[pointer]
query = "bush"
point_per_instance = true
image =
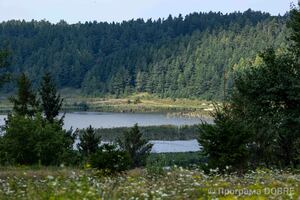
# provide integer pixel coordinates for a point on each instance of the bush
(135, 146)
(81, 106)
(89, 142)
(225, 143)
(33, 140)
(137, 100)
(110, 159)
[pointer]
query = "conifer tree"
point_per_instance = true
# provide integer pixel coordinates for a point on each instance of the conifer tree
(294, 25)
(51, 102)
(4, 55)
(137, 148)
(89, 142)
(25, 103)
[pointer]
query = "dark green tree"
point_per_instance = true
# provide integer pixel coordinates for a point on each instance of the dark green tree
(4, 63)
(225, 143)
(294, 25)
(183, 56)
(89, 142)
(51, 102)
(25, 103)
(110, 159)
(29, 138)
(34, 141)
(267, 98)
(261, 126)
(135, 146)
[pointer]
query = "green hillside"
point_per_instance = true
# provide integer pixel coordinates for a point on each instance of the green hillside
(173, 57)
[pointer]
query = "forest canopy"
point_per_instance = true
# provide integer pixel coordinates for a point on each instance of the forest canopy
(174, 57)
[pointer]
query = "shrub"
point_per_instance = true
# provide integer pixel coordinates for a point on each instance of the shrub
(88, 142)
(110, 159)
(32, 140)
(225, 143)
(135, 146)
(137, 100)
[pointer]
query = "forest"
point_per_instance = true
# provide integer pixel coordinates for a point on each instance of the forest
(193, 56)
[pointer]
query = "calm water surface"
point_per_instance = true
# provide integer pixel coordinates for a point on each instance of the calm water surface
(109, 120)
(160, 146)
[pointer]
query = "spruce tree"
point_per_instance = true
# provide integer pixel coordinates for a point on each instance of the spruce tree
(89, 142)
(135, 146)
(51, 102)
(294, 25)
(225, 143)
(25, 103)
(4, 55)
(262, 119)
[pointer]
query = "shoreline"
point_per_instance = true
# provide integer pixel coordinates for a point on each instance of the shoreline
(141, 103)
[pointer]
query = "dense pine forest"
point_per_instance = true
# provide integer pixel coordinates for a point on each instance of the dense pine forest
(174, 57)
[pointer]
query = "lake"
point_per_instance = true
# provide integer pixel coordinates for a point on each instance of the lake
(109, 120)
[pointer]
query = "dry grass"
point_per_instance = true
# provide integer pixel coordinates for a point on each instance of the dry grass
(146, 103)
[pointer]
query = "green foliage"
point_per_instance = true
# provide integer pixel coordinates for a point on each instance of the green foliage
(225, 143)
(51, 102)
(294, 24)
(267, 98)
(177, 183)
(29, 138)
(182, 159)
(137, 100)
(164, 132)
(174, 57)
(135, 146)
(82, 106)
(89, 142)
(262, 124)
(32, 140)
(25, 103)
(4, 63)
(109, 159)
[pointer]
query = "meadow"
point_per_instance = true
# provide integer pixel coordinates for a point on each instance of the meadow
(174, 183)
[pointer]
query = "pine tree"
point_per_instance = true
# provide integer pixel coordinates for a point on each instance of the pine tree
(51, 102)
(139, 82)
(25, 103)
(225, 142)
(4, 54)
(89, 142)
(294, 24)
(137, 148)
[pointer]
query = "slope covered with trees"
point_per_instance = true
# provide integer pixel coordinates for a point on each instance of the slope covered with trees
(259, 124)
(173, 57)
